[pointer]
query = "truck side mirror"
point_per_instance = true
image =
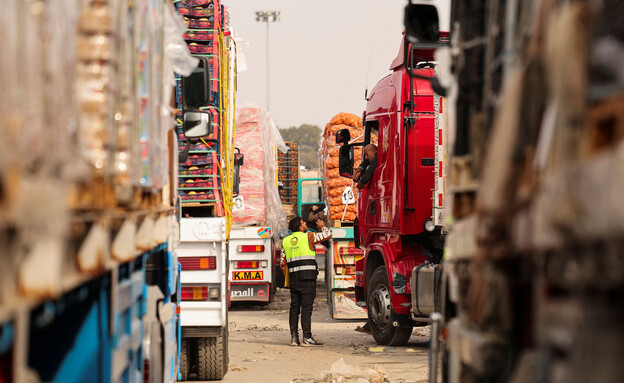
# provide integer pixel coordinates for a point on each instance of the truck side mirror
(345, 160)
(422, 25)
(238, 162)
(196, 87)
(343, 136)
(197, 124)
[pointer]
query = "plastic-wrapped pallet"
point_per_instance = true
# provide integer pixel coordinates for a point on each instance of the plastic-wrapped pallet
(258, 200)
(250, 206)
(334, 184)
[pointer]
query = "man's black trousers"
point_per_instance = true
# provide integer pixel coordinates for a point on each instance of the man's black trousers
(302, 294)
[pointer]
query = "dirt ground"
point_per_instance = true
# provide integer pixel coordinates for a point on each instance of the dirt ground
(260, 351)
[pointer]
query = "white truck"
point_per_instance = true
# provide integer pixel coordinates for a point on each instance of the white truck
(252, 264)
(203, 256)
(207, 182)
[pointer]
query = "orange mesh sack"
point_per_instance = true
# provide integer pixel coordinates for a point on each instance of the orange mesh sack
(334, 185)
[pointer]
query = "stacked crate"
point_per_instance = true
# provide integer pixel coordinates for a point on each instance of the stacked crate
(200, 177)
(288, 177)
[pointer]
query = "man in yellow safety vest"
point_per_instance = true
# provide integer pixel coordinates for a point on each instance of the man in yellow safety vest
(302, 270)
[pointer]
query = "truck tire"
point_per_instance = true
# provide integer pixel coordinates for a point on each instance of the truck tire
(279, 276)
(329, 276)
(380, 312)
(272, 291)
(212, 360)
(184, 365)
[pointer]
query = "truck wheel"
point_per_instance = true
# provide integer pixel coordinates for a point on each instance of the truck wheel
(184, 366)
(272, 291)
(380, 312)
(212, 361)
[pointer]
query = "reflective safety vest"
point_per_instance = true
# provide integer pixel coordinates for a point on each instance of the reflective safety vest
(300, 259)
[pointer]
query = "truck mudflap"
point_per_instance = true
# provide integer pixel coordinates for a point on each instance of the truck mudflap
(344, 305)
(259, 292)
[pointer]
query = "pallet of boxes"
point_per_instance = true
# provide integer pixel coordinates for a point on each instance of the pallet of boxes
(288, 178)
(334, 185)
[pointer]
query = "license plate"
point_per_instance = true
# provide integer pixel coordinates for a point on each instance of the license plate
(247, 275)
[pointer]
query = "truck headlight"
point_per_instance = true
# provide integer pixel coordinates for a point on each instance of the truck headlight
(429, 225)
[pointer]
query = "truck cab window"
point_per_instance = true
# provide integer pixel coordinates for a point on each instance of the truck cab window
(371, 134)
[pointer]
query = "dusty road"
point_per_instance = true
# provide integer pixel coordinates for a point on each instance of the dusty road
(260, 348)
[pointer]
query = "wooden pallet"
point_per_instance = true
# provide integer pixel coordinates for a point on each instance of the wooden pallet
(210, 209)
(198, 203)
(337, 223)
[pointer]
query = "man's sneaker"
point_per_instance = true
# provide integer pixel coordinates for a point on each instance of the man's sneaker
(294, 341)
(311, 342)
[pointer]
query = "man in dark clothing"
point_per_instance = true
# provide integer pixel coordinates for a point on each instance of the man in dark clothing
(300, 256)
(314, 215)
(363, 174)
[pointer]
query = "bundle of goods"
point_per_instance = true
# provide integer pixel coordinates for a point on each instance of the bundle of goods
(199, 176)
(205, 18)
(288, 175)
(335, 185)
(251, 194)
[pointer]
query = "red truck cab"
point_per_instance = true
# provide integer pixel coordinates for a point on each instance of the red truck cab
(395, 224)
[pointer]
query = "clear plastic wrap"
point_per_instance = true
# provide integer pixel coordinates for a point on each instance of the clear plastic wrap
(126, 158)
(276, 218)
(144, 74)
(257, 137)
(94, 47)
(177, 54)
(157, 148)
(37, 123)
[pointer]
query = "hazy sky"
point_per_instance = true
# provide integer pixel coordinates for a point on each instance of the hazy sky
(321, 54)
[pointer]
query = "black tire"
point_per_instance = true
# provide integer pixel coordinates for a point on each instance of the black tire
(279, 276)
(184, 365)
(329, 278)
(212, 358)
(272, 291)
(380, 314)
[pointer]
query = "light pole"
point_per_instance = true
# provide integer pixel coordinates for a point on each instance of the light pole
(267, 17)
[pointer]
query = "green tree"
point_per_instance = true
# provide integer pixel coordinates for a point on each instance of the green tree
(308, 139)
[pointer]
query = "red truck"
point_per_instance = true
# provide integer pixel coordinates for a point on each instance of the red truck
(399, 222)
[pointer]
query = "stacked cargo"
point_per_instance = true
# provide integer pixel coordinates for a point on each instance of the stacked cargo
(200, 183)
(342, 252)
(258, 214)
(335, 185)
(86, 207)
(288, 177)
(205, 104)
(250, 203)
